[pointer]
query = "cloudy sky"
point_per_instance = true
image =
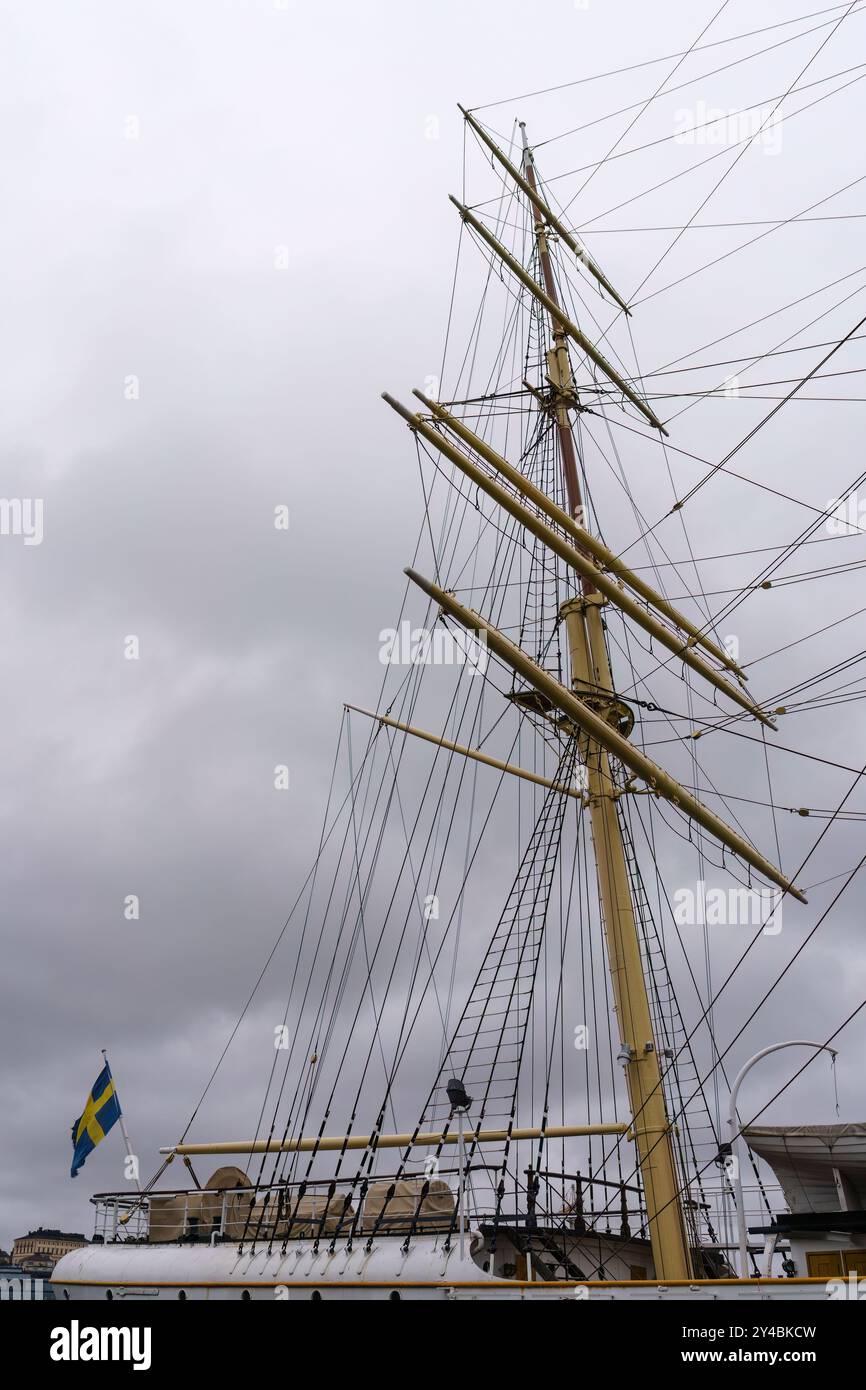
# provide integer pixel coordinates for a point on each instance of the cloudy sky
(226, 230)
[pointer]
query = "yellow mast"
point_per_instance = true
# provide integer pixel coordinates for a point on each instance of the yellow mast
(591, 677)
(650, 1122)
(599, 719)
(590, 670)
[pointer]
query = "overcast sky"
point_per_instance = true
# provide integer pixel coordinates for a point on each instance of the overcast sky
(226, 230)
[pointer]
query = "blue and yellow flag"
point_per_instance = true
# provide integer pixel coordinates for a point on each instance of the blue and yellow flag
(100, 1113)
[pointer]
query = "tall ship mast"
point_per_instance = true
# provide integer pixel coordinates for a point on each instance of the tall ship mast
(486, 1082)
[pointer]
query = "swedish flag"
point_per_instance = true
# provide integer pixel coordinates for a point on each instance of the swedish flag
(100, 1113)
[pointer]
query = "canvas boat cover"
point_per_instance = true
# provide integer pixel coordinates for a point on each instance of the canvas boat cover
(820, 1168)
(403, 1204)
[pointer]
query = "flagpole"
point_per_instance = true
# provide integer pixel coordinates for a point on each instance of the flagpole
(126, 1139)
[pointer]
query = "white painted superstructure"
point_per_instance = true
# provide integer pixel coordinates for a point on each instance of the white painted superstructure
(426, 1271)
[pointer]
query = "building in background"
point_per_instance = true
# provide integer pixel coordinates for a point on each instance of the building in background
(39, 1251)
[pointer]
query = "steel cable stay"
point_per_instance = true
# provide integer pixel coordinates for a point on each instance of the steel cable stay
(633, 67)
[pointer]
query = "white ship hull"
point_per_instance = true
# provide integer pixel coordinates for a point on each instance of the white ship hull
(426, 1271)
